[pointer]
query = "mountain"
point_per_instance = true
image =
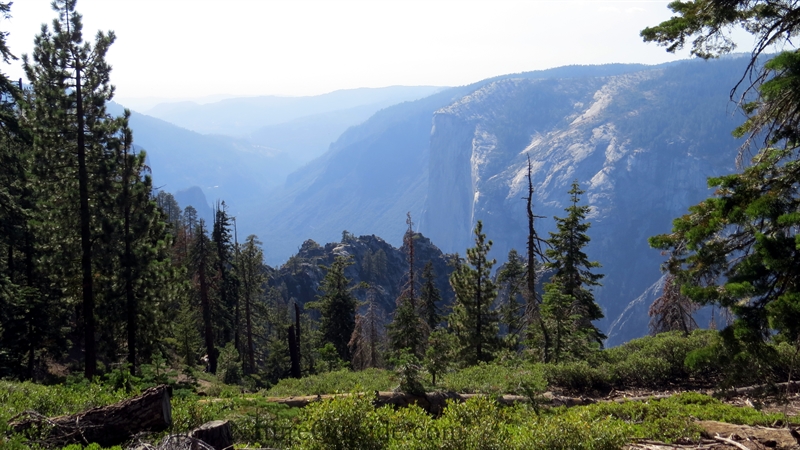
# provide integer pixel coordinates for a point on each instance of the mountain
(641, 140)
(241, 116)
(308, 137)
(195, 198)
(225, 168)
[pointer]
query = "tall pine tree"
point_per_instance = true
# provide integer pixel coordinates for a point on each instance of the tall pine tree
(72, 131)
(573, 270)
(473, 321)
(406, 330)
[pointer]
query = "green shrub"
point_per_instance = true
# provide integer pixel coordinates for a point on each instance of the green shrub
(496, 379)
(342, 423)
(655, 361)
(579, 376)
(573, 429)
(259, 423)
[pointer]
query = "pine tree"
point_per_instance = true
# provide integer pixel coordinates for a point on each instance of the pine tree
(473, 321)
(558, 310)
(228, 305)
(573, 270)
(203, 266)
(738, 249)
(337, 307)
(429, 297)
(70, 80)
(250, 272)
(405, 331)
(512, 280)
(25, 311)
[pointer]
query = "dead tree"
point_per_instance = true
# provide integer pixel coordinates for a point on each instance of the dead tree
(672, 311)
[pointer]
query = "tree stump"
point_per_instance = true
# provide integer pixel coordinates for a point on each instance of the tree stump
(106, 425)
(217, 434)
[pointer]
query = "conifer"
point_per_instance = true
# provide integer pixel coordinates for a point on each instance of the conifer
(573, 271)
(473, 321)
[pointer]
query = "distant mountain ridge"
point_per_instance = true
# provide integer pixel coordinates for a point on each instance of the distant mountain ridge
(242, 116)
(252, 142)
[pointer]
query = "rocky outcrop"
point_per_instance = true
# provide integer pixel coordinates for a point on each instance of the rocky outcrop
(380, 266)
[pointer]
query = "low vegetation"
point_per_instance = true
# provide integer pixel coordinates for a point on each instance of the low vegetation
(353, 421)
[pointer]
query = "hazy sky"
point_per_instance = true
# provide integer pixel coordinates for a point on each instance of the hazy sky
(195, 48)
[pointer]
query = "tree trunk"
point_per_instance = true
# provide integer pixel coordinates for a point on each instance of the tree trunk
(217, 434)
(86, 238)
(205, 302)
(294, 354)
(130, 300)
(251, 359)
(105, 425)
(533, 307)
(297, 332)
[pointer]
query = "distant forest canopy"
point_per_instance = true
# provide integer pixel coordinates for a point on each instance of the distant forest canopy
(100, 272)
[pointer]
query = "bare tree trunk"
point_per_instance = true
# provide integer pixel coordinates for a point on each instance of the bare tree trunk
(532, 305)
(294, 355)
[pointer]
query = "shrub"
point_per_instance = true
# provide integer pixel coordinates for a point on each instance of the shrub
(655, 361)
(341, 423)
(497, 379)
(579, 376)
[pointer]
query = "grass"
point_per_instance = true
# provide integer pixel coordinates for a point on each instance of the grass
(353, 422)
(368, 380)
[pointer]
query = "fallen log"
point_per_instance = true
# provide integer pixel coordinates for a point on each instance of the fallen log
(780, 438)
(105, 425)
(432, 402)
(759, 389)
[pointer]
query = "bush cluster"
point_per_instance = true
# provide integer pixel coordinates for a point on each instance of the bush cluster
(649, 362)
(352, 422)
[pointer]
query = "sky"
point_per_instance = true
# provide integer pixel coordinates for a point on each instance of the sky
(181, 49)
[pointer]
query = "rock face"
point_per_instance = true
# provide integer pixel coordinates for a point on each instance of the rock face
(380, 266)
(640, 140)
(640, 144)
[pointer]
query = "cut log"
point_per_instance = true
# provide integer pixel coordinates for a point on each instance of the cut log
(217, 434)
(106, 425)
